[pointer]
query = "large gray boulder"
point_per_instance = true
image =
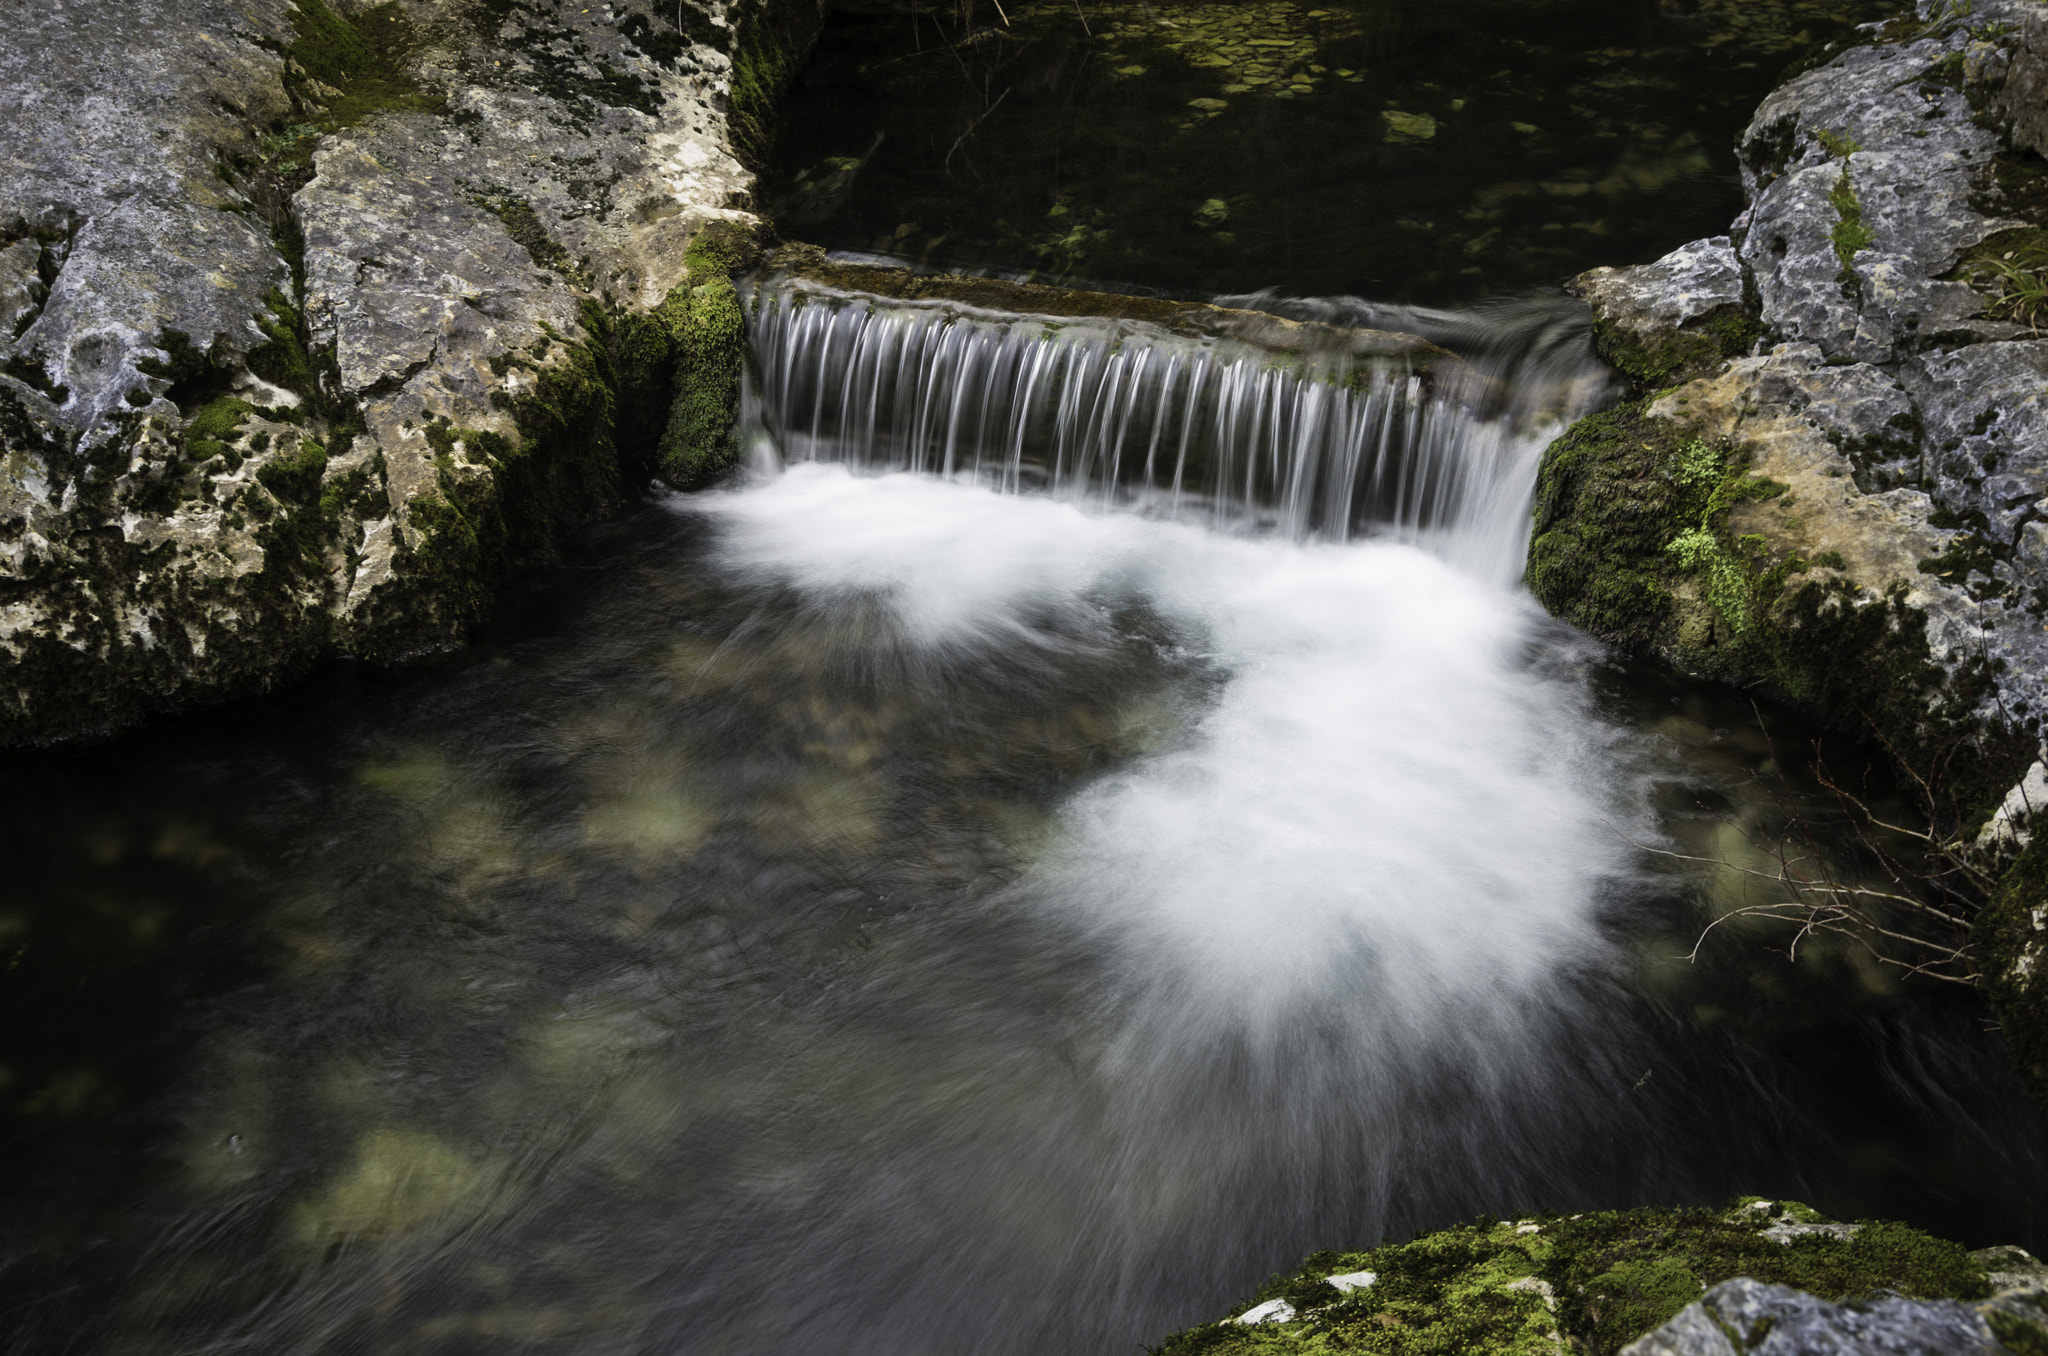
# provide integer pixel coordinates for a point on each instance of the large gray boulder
(1877, 378)
(315, 322)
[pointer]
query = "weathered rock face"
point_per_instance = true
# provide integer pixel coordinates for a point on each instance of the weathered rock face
(250, 415)
(1748, 1316)
(1902, 412)
(1853, 512)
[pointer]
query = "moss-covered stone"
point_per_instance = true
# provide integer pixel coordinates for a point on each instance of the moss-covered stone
(360, 58)
(561, 472)
(1594, 1281)
(1632, 543)
(1670, 356)
(211, 431)
(776, 36)
(710, 360)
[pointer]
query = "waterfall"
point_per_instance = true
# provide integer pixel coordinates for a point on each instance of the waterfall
(1315, 443)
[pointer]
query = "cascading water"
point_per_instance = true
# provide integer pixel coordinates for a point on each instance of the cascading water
(1312, 442)
(875, 909)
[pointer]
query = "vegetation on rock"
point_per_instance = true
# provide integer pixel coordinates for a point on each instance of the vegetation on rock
(1590, 1283)
(1632, 544)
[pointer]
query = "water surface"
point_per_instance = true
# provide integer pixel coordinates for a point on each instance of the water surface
(1409, 150)
(871, 910)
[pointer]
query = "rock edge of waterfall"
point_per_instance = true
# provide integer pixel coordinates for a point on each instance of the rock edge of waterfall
(320, 322)
(1687, 1282)
(1832, 483)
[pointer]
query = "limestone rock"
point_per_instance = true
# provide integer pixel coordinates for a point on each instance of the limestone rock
(1688, 284)
(1886, 558)
(250, 416)
(1744, 1316)
(1906, 422)
(1987, 432)
(1676, 317)
(2022, 100)
(1889, 296)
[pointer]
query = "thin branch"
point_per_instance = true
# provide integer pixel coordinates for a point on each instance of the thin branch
(947, 164)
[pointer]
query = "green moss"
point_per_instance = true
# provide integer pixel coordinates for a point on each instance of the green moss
(209, 432)
(1679, 355)
(1606, 509)
(525, 228)
(722, 247)
(362, 57)
(359, 493)
(643, 346)
(1849, 234)
(1839, 145)
(1610, 1276)
(283, 360)
(774, 39)
(698, 443)
(295, 476)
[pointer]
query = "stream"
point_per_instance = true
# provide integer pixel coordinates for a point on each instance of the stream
(1088, 817)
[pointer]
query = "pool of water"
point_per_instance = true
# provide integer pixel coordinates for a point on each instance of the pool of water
(874, 913)
(1412, 150)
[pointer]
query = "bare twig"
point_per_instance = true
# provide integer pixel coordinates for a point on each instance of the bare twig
(1943, 894)
(947, 164)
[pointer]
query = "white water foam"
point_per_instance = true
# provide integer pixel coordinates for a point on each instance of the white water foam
(1388, 791)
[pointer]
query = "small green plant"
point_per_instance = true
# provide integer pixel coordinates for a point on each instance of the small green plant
(2016, 279)
(1849, 234)
(1838, 145)
(1730, 586)
(1699, 464)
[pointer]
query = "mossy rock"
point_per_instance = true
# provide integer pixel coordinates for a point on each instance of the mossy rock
(1592, 1282)
(361, 56)
(1632, 544)
(478, 531)
(1668, 357)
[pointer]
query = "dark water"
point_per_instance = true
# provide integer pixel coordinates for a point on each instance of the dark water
(1416, 150)
(725, 957)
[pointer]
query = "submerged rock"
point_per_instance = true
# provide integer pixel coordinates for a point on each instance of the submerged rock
(432, 310)
(1193, 319)
(1408, 127)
